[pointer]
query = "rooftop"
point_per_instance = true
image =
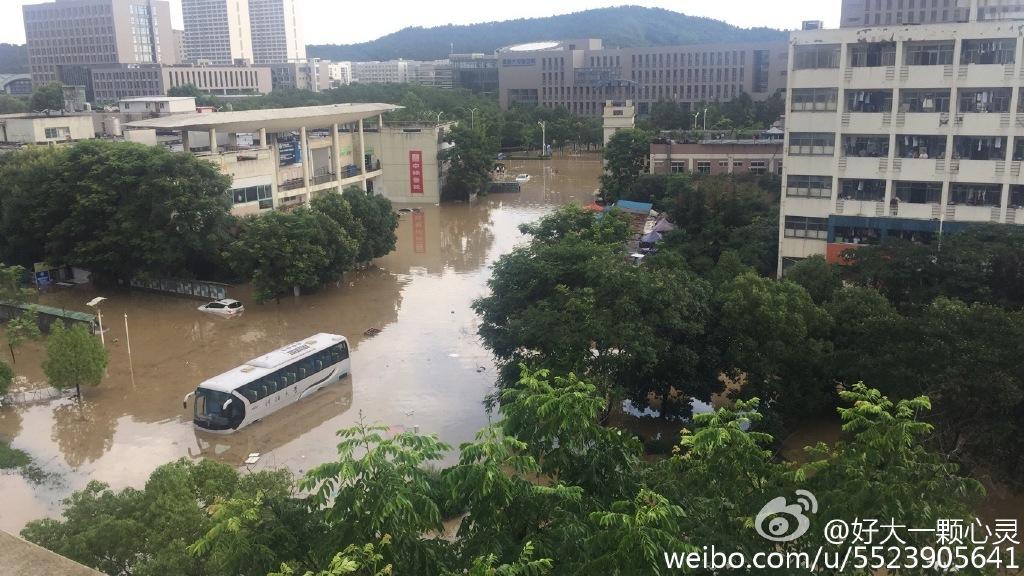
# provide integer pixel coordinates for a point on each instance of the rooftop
(157, 99)
(272, 119)
(23, 558)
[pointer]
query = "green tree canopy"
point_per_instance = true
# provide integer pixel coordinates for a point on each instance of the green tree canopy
(74, 357)
(626, 156)
(817, 276)
(48, 97)
(470, 161)
(23, 328)
(378, 220)
(11, 104)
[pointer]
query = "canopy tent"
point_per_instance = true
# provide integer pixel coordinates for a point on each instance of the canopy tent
(664, 225)
(651, 238)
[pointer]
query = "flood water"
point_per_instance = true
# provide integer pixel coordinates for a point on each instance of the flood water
(426, 368)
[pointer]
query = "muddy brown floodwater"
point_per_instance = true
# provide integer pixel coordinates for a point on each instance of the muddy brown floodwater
(425, 368)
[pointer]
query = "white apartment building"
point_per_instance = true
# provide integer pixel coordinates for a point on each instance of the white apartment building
(900, 131)
(385, 72)
(337, 73)
(217, 31)
(276, 32)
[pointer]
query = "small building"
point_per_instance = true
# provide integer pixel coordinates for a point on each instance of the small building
(45, 128)
(16, 84)
(717, 157)
(619, 115)
(413, 169)
(155, 106)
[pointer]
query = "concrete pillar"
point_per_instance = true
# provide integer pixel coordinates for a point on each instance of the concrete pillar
(232, 140)
(307, 158)
(263, 137)
(185, 144)
(362, 156)
(335, 153)
(213, 140)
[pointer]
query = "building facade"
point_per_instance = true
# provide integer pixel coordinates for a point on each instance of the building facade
(281, 158)
(413, 168)
(862, 13)
(45, 128)
(757, 157)
(65, 38)
(16, 84)
(275, 31)
(905, 131)
(618, 115)
(476, 72)
(381, 72)
(436, 73)
(580, 75)
(113, 83)
(217, 31)
(180, 55)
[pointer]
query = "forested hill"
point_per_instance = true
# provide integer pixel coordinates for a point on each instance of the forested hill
(623, 26)
(13, 59)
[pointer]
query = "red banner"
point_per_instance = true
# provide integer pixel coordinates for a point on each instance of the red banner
(415, 172)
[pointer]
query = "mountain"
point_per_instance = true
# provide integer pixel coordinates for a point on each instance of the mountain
(622, 26)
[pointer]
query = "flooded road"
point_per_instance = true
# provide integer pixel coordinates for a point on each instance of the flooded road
(426, 368)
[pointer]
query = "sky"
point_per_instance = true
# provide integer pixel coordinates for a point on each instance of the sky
(351, 21)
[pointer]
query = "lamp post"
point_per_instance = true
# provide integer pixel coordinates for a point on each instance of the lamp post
(439, 114)
(705, 119)
(95, 303)
(695, 116)
(543, 137)
(472, 118)
(128, 341)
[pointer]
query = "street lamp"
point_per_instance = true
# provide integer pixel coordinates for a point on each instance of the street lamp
(95, 303)
(472, 118)
(705, 119)
(695, 116)
(543, 137)
(439, 114)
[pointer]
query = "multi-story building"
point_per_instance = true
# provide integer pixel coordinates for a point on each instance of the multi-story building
(301, 74)
(119, 81)
(67, 37)
(381, 72)
(437, 73)
(335, 73)
(414, 170)
(217, 31)
(16, 84)
(901, 131)
(717, 157)
(45, 128)
(580, 75)
(281, 158)
(476, 72)
(276, 33)
(181, 56)
(859, 13)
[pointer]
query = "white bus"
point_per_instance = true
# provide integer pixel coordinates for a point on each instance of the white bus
(264, 385)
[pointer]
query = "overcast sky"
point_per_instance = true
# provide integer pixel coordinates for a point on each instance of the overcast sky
(349, 21)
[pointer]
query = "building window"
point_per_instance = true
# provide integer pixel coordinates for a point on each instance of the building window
(812, 143)
(806, 227)
(979, 148)
(723, 163)
(814, 56)
(924, 147)
(260, 192)
(872, 54)
(866, 146)
(757, 166)
(928, 53)
(678, 166)
(1000, 51)
(815, 100)
(918, 192)
(862, 190)
(976, 194)
(924, 100)
(703, 167)
(982, 100)
(809, 187)
(60, 132)
(869, 100)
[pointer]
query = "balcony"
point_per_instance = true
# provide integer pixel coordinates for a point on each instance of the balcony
(926, 76)
(866, 121)
(292, 184)
(324, 178)
(984, 74)
(916, 211)
(964, 213)
(860, 207)
(815, 77)
(870, 76)
(918, 169)
(863, 167)
(977, 170)
(982, 122)
(923, 122)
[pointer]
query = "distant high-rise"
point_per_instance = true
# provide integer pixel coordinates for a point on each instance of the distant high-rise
(276, 31)
(217, 31)
(863, 13)
(66, 37)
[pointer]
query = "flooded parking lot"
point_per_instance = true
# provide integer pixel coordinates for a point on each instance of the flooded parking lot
(425, 368)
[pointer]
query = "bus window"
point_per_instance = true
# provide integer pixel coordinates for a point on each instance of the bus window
(344, 350)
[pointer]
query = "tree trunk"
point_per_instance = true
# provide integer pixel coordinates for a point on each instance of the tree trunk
(13, 359)
(78, 391)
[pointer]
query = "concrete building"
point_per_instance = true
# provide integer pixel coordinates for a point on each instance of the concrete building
(157, 106)
(16, 84)
(860, 13)
(281, 158)
(618, 115)
(338, 73)
(67, 37)
(113, 83)
(436, 73)
(298, 75)
(45, 129)
(717, 157)
(476, 72)
(411, 156)
(384, 72)
(580, 75)
(180, 55)
(907, 131)
(275, 31)
(217, 31)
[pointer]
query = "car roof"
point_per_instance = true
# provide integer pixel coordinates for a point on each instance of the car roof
(224, 301)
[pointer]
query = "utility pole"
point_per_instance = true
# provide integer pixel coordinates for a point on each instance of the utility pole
(705, 119)
(543, 137)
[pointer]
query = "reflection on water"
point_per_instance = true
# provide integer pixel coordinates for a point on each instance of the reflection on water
(425, 368)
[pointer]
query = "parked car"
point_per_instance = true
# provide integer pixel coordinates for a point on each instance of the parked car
(523, 178)
(225, 307)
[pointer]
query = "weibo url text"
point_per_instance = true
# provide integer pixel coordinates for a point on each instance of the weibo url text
(851, 558)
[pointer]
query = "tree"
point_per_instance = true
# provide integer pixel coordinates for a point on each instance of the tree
(626, 157)
(817, 276)
(378, 220)
(666, 115)
(6, 377)
(11, 290)
(470, 161)
(283, 251)
(48, 97)
(202, 98)
(31, 201)
(11, 104)
(348, 240)
(74, 357)
(23, 328)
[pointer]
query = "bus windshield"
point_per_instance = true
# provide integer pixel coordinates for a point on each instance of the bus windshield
(209, 406)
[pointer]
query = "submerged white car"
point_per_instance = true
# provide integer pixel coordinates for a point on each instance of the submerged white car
(523, 178)
(225, 307)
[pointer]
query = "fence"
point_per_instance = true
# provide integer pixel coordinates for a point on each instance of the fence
(189, 288)
(47, 314)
